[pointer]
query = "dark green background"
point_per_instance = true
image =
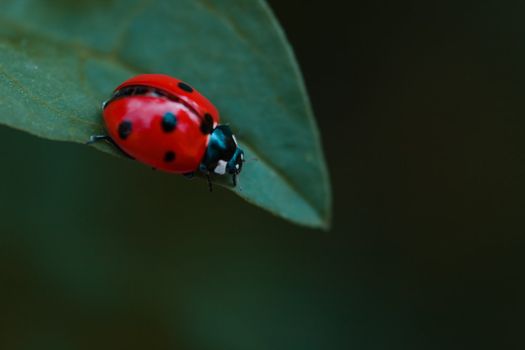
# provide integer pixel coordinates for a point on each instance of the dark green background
(420, 106)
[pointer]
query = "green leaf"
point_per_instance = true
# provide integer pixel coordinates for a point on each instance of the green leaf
(60, 59)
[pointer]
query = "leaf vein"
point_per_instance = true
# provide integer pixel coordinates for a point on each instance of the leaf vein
(25, 92)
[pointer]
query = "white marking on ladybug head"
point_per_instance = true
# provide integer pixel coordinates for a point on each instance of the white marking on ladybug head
(221, 167)
(235, 140)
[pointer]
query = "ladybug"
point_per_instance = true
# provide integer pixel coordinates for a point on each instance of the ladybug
(165, 123)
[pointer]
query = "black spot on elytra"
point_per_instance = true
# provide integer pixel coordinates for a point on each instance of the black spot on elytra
(185, 87)
(124, 129)
(207, 124)
(169, 156)
(169, 122)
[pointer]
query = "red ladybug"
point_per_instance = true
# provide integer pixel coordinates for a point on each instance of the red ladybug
(163, 122)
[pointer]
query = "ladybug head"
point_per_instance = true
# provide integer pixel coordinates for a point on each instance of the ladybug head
(223, 155)
(234, 166)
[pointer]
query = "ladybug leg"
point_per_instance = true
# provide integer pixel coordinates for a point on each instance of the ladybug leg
(203, 169)
(210, 186)
(97, 138)
(234, 179)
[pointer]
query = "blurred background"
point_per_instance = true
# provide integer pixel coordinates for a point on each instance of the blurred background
(420, 105)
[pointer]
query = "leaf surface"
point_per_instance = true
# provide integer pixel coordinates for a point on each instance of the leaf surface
(60, 59)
